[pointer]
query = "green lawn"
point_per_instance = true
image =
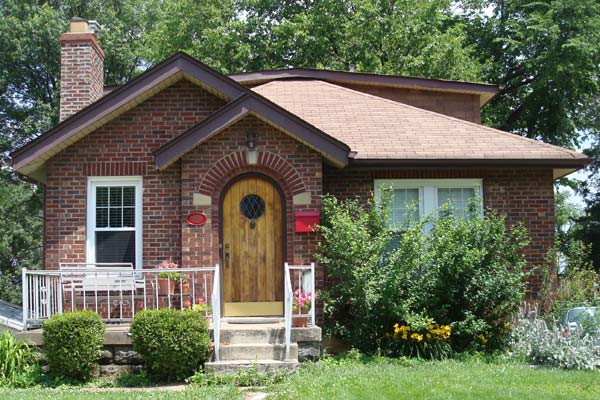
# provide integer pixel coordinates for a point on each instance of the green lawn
(211, 393)
(437, 380)
(350, 379)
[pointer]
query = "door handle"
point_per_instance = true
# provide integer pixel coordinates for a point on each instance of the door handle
(227, 256)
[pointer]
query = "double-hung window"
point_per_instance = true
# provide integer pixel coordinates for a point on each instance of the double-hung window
(414, 199)
(114, 220)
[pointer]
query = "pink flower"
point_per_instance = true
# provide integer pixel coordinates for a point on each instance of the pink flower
(167, 265)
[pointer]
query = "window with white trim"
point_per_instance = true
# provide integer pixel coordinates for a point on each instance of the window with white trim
(114, 220)
(414, 199)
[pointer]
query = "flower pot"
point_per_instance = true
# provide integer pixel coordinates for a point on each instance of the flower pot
(187, 303)
(299, 322)
(185, 287)
(166, 286)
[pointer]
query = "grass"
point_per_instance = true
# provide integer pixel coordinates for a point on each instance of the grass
(212, 393)
(386, 379)
(358, 377)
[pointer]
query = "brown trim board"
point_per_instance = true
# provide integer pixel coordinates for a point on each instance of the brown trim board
(471, 162)
(486, 90)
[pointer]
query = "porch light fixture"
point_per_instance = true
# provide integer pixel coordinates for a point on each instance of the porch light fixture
(251, 152)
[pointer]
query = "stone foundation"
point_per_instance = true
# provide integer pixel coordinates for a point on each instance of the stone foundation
(118, 355)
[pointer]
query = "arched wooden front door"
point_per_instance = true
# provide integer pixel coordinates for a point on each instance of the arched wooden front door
(252, 248)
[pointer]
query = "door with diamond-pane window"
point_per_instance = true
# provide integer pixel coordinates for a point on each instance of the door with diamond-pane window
(252, 248)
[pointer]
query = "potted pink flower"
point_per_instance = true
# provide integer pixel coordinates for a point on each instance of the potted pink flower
(200, 306)
(301, 305)
(167, 278)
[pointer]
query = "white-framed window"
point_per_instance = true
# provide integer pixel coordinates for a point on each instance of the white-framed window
(413, 199)
(114, 220)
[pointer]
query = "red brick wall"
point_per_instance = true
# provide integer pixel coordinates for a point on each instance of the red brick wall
(81, 72)
(458, 105)
(521, 194)
(124, 147)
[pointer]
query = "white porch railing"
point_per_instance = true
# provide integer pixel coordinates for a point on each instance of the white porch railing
(301, 278)
(117, 293)
(216, 310)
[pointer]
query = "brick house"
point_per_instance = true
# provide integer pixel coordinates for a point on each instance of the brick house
(186, 164)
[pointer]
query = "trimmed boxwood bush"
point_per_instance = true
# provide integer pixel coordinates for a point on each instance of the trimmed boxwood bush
(174, 344)
(73, 343)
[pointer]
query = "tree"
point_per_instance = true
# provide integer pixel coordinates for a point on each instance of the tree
(29, 99)
(546, 56)
(402, 37)
(21, 219)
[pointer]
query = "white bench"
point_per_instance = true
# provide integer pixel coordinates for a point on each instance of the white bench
(99, 277)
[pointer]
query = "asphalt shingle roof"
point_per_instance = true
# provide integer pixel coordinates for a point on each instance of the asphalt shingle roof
(377, 128)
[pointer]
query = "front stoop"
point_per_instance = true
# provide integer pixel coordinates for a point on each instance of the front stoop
(262, 346)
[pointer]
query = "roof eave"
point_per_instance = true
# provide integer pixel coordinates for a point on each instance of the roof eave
(486, 91)
(560, 166)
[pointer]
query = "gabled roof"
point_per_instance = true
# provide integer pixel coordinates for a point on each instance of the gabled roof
(29, 158)
(381, 131)
(485, 91)
(252, 104)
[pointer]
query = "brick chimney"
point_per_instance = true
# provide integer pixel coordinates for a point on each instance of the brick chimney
(81, 67)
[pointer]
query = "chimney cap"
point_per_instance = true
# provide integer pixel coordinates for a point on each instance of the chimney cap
(81, 25)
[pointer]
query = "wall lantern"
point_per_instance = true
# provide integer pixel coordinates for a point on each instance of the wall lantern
(251, 152)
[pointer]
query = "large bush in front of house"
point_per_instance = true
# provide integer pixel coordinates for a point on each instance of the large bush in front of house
(173, 343)
(73, 343)
(389, 287)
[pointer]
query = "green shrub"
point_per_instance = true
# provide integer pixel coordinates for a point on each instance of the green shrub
(174, 344)
(18, 362)
(73, 343)
(465, 273)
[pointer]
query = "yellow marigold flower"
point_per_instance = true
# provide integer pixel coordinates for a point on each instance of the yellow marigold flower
(482, 338)
(507, 325)
(404, 336)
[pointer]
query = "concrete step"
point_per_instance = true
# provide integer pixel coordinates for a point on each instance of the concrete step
(264, 366)
(255, 335)
(252, 320)
(255, 351)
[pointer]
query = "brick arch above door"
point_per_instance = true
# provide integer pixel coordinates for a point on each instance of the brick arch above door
(235, 163)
